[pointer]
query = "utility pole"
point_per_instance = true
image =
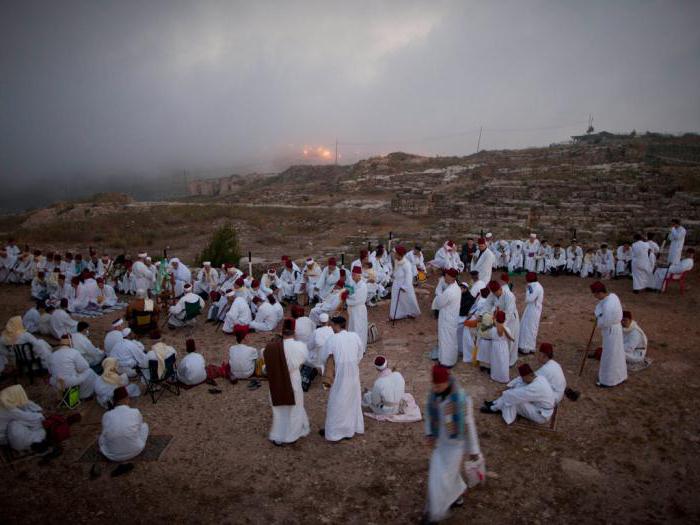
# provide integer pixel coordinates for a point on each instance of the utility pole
(478, 143)
(336, 151)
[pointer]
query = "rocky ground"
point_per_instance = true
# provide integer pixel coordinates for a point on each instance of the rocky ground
(624, 455)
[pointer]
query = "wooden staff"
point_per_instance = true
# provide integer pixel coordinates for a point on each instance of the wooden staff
(250, 264)
(588, 349)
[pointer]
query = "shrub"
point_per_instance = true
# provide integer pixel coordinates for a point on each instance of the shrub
(222, 248)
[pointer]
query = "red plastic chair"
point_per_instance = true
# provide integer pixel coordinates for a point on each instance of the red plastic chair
(675, 277)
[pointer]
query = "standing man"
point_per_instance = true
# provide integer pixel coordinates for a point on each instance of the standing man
(403, 297)
(677, 238)
(642, 277)
(357, 308)
(283, 359)
(451, 432)
(608, 313)
(483, 261)
(344, 416)
(447, 300)
(143, 275)
(530, 323)
(531, 250)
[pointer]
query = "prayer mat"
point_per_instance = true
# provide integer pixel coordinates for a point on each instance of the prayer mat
(638, 367)
(155, 446)
(91, 314)
(547, 427)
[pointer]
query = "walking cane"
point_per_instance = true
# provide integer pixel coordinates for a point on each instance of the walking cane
(398, 296)
(588, 349)
(250, 264)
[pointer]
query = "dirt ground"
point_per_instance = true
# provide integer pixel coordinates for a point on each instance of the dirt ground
(625, 455)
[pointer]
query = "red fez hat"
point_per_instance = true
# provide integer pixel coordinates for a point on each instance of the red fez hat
(190, 345)
(500, 316)
(240, 282)
(285, 258)
(481, 241)
(357, 269)
(450, 244)
(297, 310)
(64, 303)
(494, 286)
(379, 361)
(288, 325)
(363, 254)
(288, 263)
(400, 250)
(452, 272)
(61, 276)
(547, 349)
(214, 295)
(100, 280)
(255, 283)
(505, 278)
(240, 330)
(331, 261)
(119, 394)
(245, 275)
(530, 277)
(485, 292)
(75, 280)
(525, 370)
(598, 287)
(440, 374)
(626, 314)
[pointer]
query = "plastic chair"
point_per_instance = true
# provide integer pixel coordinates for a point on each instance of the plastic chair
(675, 277)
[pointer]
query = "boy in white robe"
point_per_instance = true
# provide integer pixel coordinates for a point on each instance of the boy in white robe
(192, 369)
(344, 416)
(532, 398)
(68, 368)
(605, 262)
(608, 313)
(82, 344)
(403, 296)
(242, 359)
(677, 238)
(530, 322)
(634, 340)
(357, 307)
(387, 391)
(483, 261)
(321, 335)
(447, 301)
(124, 432)
(624, 258)
(451, 432)
(501, 339)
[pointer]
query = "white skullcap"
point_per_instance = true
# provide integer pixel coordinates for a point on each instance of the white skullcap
(310, 260)
(142, 255)
(140, 293)
(380, 362)
(323, 317)
(533, 235)
(118, 322)
(489, 235)
(206, 263)
(148, 258)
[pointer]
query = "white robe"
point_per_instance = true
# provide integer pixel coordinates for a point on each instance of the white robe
(613, 368)
(242, 359)
(21, 427)
(635, 342)
(483, 263)
(417, 262)
(530, 251)
(129, 354)
(499, 356)
(677, 238)
(344, 413)
(357, 312)
(623, 259)
(403, 297)
(30, 320)
(104, 391)
(239, 313)
(642, 268)
(329, 305)
(530, 322)
(326, 282)
(290, 422)
(66, 365)
(447, 301)
(89, 351)
(143, 275)
(446, 259)
(386, 393)
(507, 303)
(304, 332)
(534, 401)
(62, 323)
(124, 433)
(191, 369)
(554, 374)
(265, 317)
(321, 335)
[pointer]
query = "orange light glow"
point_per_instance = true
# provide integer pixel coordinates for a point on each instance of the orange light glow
(317, 152)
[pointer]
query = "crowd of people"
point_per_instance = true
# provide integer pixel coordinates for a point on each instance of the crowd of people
(324, 335)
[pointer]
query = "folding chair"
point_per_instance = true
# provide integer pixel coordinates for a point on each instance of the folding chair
(70, 397)
(26, 361)
(192, 310)
(675, 277)
(155, 386)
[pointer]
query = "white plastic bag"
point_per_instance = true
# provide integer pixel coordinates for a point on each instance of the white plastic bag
(475, 471)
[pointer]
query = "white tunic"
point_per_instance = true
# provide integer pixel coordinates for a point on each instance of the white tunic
(124, 433)
(192, 369)
(534, 401)
(20, 427)
(242, 359)
(104, 391)
(30, 320)
(530, 323)
(530, 250)
(265, 318)
(239, 313)
(554, 374)
(89, 351)
(143, 275)
(613, 368)
(635, 342)
(321, 335)
(403, 296)
(499, 356)
(386, 393)
(677, 238)
(483, 263)
(344, 414)
(66, 364)
(357, 312)
(642, 276)
(290, 422)
(304, 332)
(447, 301)
(62, 323)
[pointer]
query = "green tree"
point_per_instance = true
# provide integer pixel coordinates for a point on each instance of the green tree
(222, 248)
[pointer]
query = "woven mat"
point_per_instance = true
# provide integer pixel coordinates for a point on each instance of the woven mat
(155, 446)
(638, 367)
(91, 314)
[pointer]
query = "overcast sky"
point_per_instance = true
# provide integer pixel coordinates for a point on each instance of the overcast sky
(99, 87)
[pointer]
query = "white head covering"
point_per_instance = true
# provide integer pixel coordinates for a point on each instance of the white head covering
(323, 317)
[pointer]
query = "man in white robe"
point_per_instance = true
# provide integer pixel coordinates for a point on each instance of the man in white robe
(192, 369)
(178, 312)
(207, 279)
(39, 287)
(387, 391)
(357, 308)
(61, 321)
(32, 317)
(116, 334)
(303, 327)
(531, 398)
(451, 432)
(344, 416)
(129, 353)
(447, 257)
(403, 296)
(266, 317)
(283, 360)
(143, 276)
(180, 274)
(531, 249)
(447, 301)
(530, 322)
(415, 257)
(106, 296)
(310, 277)
(332, 303)
(503, 299)
(624, 258)
(81, 342)
(68, 368)
(677, 238)
(290, 279)
(516, 256)
(551, 370)
(329, 276)
(321, 335)
(605, 262)
(124, 433)
(634, 340)
(608, 314)
(239, 313)
(674, 271)
(242, 359)
(642, 276)
(482, 261)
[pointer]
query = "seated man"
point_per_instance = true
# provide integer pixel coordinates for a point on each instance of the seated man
(331, 303)
(187, 308)
(82, 344)
(68, 368)
(239, 313)
(192, 368)
(15, 334)
(20, 420)
(551, 370)
(142, 313)
(129, 353)
(61, 321)
(389, 388)
(634, 340)
(266, 318)
(40, 290)
(106, 296)
(159, 352)
(32, 317)
(109, 381)
(243, 360)
(532, 399)
(674, 271)
(124, 433)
